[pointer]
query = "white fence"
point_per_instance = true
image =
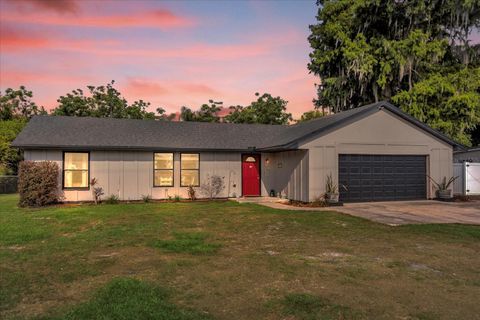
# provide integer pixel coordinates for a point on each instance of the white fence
(468, 181)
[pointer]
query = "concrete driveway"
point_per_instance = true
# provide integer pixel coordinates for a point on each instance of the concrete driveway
(414, 212)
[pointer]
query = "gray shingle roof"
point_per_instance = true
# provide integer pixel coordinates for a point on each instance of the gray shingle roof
(127, 134)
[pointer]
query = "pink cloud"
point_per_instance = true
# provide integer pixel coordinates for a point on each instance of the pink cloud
(197, 88)
(14, 40)
(160, 88)
(159, 18)
(59, 6)
(14, 78)
(143, 88)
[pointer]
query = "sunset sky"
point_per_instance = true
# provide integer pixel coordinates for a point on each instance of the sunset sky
(168, 53)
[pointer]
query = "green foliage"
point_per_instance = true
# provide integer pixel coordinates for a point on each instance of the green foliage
(112, 199)
(265, 110)
(367, 50)
(310, 115)
(18, 104)
(16, 108)
(127, 298)
(10, 157)
(146, 198)
(103, 102)
(206, 113)
(188, 242)
(449, 103)
(443, 185)
(38, 183)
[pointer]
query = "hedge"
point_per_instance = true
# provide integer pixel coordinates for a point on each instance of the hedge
(38, 183)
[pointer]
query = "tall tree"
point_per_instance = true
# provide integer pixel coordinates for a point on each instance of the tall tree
(15, 104)
(310, 115)
(102, 101)
(450, 102)
(266, 110)
(16, 108)
(206, 112)
(369, 50)
(10, 157)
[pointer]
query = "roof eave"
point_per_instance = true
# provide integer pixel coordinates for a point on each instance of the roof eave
(129, 148)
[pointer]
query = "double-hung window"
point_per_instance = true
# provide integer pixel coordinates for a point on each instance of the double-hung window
(76, 170)
(189, 169)
(163, 170)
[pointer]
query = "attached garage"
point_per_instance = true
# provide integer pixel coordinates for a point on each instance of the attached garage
(379, 153)
(367, 177)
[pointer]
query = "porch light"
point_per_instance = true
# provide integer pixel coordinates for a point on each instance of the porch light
(267, 161)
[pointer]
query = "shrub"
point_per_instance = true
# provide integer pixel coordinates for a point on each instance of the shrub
(38, 183)
(146, 198)
(213, 186)
(112, 199)
(192, 194)
(97, 192)
(177, 198)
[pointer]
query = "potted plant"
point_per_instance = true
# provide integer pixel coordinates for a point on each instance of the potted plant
(443, 191)
(331, 190)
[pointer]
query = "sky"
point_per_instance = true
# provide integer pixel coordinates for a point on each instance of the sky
(168, 53)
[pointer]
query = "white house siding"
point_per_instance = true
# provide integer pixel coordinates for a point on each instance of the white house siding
(286, 172)
(129, 174)
(380, 133)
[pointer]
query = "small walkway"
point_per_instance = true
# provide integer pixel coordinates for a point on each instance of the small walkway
(393, 212)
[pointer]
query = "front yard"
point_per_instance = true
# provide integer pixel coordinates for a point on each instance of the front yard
(224, 260)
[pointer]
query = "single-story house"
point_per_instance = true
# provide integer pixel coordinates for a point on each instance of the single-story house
(470, 155)
(377, 152)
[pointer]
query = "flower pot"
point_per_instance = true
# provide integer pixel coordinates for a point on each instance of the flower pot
(444, 194)
(331, 197)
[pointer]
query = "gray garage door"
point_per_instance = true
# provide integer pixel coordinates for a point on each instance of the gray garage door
(382, 177)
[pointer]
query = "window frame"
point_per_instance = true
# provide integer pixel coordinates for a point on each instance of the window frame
(173, 170)
(198, 170)
(63, 171)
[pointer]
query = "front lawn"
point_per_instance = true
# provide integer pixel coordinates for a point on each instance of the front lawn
(224, 260)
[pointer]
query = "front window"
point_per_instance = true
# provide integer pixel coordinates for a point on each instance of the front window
(75, 170)
(190, 169)
(163, 170)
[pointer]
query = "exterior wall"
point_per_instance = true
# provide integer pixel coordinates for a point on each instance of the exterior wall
(470, 156)
(286, 172)
(129, 174)
(379, 133)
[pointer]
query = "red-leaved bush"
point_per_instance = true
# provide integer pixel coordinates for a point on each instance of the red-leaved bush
(38, 183)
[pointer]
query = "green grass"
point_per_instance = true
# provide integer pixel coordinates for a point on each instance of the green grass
(230, 261)
(126, 298)
(309, 307)
(188, 242)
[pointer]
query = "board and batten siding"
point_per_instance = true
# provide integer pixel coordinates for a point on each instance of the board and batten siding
(129, 174)
(379, 133)
(286, 172)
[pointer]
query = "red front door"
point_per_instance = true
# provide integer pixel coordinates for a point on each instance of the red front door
(250, 175)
